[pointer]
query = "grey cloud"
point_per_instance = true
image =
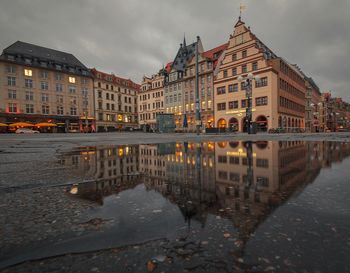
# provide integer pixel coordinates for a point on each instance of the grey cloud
(136, 37)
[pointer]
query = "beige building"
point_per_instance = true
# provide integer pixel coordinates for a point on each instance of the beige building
(115, 102)
(278, 99)
(42, 85)
(151, 100)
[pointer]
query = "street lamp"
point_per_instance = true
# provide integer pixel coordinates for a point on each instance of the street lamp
(248, 93)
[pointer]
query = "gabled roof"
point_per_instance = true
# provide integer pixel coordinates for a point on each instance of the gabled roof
(43, 53)
(210, 54)
(184, 54)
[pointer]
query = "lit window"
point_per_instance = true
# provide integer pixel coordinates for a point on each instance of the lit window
(28, 72)
(72, 79)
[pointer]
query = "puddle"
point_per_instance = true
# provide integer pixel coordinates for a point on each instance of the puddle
(272, 206)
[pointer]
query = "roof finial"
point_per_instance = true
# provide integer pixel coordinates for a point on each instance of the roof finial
(241, 8)
(184, 43)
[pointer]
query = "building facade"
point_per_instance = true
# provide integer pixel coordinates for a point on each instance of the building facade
(42, 85)
(278, 98)
(180, 84)
(151, 100)
(312, 107)
(115, 102)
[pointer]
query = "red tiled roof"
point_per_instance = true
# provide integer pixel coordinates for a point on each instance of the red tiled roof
(210, 53)
(113, 78)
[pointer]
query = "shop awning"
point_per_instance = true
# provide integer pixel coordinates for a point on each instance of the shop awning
(3, 125)
(21, 124)
(45, 124)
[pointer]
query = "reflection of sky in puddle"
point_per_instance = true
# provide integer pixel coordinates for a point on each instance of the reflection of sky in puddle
(277, 200)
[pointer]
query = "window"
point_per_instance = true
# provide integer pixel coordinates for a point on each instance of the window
(12, 94)
(28, 83)
(100, 116)
(28, 72)
(233, 104)
(44, 74)
(234, 57)
(221, 106)
(71, 79)
(225, 73)
(84, 92)
(73, 111)
(10, 69)
(72, 89)
(59, 99)
(59, 87)
(12, 107)
(244, 103)
(261, 101)
(29, 95)
(11, 81)
(262, 181)
(73, 100)
(244, 53)
(107, 96)
(233, 88)
(234, 177)
(44, 85)
(30, 108)
(107, 106)
(262, 82)
(242, 86)
(100, 94)
(234, 160)
(100, 105)
(44, 97)
(59, 110)
(84, 81)
(221, 90)
(255, 66)
(244, 68)
(58, 66)
(45, 109)
(234, 71)
(222, 159)
(58, 76)
(262, 163)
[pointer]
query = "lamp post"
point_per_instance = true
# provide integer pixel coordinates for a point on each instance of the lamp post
(198, 115)
(248, 94)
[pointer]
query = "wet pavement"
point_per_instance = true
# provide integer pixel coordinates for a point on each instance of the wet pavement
(262, 206)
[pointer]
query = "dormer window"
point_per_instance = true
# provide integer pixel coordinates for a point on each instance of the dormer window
(10, 57)
(58, 67)
(84, 72)
(71, 69)
(43, 64)
(27, 61)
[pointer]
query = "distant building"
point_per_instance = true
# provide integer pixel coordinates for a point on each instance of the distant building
(278, 99)
(312, 107)
(151, 100)
(115, 102)
(335, 112)
(40, 84)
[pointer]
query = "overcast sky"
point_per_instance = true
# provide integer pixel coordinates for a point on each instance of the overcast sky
(136, 37)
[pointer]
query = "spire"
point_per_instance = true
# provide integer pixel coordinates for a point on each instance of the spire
(184, 43)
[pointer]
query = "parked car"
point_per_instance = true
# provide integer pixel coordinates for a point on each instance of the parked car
(26, 131)
(343, 130)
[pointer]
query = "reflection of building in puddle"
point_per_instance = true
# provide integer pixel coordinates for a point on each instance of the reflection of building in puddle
(96, 190)
(187, 177)
(102, 163)
(110, 169)
(248, 180)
